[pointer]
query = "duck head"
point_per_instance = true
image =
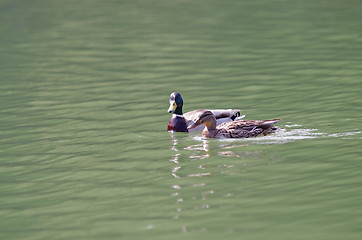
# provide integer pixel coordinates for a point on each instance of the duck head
(176, 103)
(207, 118)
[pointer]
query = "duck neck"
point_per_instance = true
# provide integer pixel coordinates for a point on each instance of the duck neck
(178, 110)
(209, 133)
(210, 130)
(211, 125)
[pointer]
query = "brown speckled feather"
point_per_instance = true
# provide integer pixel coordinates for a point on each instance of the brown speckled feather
(242, 129)
(248, 124)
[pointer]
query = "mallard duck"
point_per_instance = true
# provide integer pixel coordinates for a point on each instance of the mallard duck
(179, 122)
(234, 129)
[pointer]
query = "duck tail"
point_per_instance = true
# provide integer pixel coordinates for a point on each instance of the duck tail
(269, 123)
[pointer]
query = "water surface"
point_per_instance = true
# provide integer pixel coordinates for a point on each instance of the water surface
(84, 97)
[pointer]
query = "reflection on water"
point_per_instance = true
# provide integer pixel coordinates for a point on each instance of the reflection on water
(201, 153)
(290, 133)
(201, 191)
(194, 189)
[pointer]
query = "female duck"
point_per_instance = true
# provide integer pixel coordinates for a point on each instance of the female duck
(235, 129)
(179, 122)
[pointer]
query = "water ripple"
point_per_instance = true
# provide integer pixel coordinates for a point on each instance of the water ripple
(285, 135)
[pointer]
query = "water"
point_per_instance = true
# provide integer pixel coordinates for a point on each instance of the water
(84, 98)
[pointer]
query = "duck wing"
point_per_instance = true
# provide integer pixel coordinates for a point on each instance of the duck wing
(246, 128)
(232, 114)
(249, 124)
(221, 115)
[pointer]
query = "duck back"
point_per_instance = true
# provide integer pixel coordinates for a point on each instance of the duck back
(245, 128)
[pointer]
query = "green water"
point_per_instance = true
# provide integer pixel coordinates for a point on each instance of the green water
(84, 152)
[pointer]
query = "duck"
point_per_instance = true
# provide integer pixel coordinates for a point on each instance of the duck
(180, 121)
(234, 129)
